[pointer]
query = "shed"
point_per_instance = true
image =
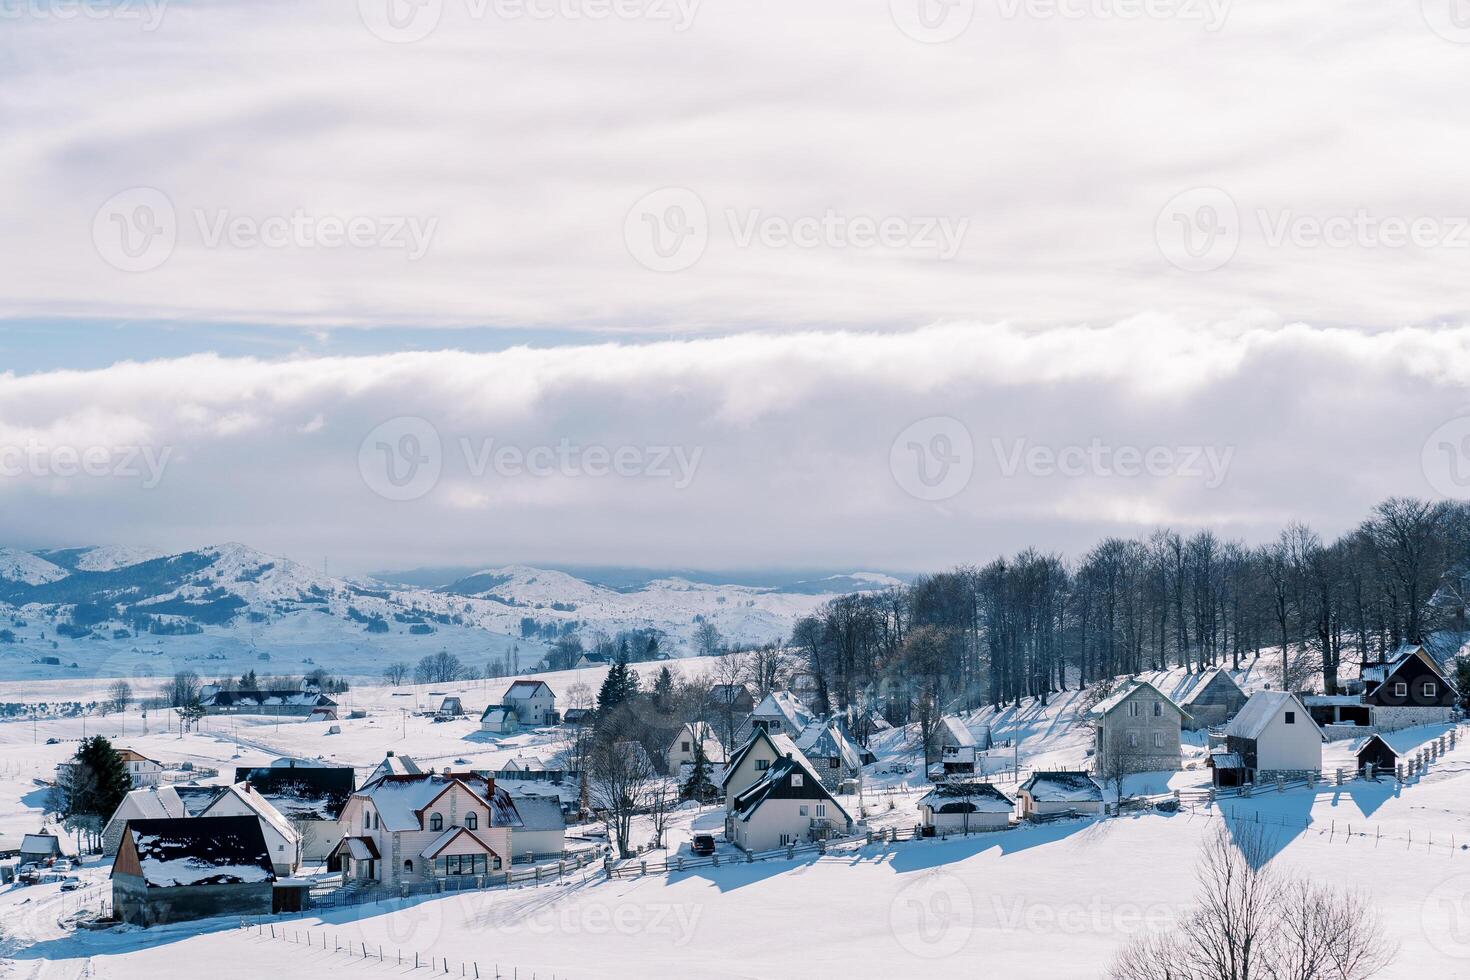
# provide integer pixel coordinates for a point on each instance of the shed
(959, 807)
(1375, 751)
(1052, 794)
(39, 848)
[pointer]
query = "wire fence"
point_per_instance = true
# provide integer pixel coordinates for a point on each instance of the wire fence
(331, 944)
(371, 893)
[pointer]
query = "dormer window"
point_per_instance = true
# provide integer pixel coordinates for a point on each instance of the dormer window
(436, 822)
(761, 765)
(471, 821)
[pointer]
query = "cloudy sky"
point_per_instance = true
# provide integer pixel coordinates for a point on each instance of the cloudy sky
(859, 283)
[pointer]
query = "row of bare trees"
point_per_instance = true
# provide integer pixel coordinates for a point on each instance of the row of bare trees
(1038, 623)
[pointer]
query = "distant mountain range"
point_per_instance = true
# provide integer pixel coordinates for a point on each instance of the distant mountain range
(230, 602)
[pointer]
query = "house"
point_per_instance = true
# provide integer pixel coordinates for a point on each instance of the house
(393, 765)
(577, 716)
(142, 770)
(833, 756)
(964, 808)
(283, 841)
(787, 805)
(450, 707)
(1408, 689)
(283, 703)
(1273, 735)
(532, 701)
(1053, 794)
(1213, 701)
(1376, 751)
(957, 747)
(499, 720)
(414, 829)
(41, 848)
(733, 699)
(173, 870)
(310, 797)
(1136, 730)
(695, 734)
(543, 829)
(524, 763)
(781, 713)
(750, 762)
(156, 803)
(591, 659)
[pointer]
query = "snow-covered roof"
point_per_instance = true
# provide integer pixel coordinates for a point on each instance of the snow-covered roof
(394, 765)
(498, 714)
(774, 784)
(448, 837)
(258, 805)
(525, 763)
(1204, 683)
(1130, 688)
(360, 848)
(954, 732)
(958, 797)
(1225, 759)
(400, 799)
(782, 745)
(539, 812)
(153, 803)
(1403, 742)
(1062, 787)
(267, 699)
(825, 740)
(40, 844)
(787, 707)
(523, 690)
(199, 851)
(1259, 711)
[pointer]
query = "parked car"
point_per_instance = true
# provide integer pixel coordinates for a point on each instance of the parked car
(53, 741)
(63, 864)
(703, 844)
(71, 884)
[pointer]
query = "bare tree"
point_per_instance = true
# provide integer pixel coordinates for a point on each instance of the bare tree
(1122, 755)
(663, 797)
(183, 690)
(396, 673)
(439, 668)
(1252, 922)
(620, 778)
(707, 639)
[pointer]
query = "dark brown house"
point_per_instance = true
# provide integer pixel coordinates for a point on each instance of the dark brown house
(173, 870)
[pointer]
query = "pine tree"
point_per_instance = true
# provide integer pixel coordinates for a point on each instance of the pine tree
(619, 687)
(663, 690)
(97, 782)
(699, 786)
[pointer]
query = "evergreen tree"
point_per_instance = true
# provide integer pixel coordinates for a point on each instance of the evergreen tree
(663, 690)
(95, 783)
(618, 688)
(699, 786)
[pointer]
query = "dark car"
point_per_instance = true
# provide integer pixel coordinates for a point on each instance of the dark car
(703, 844)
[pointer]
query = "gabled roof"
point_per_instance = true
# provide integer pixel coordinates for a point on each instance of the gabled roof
(267, 699)
(1259, 711)
(449, 837)
(1106, 706)
(781, 745)
(1062, 787)
(954, 732)
(775, 784)
(400, 800)
(358, 848)
(394, 765)
(702, 733)
(523, 689)
(540, 812)
(787, 707)
(1225, 759)
(497, 714)
(826, 739)
(258, 805)
(40, 844)
(1383, 671)
(1216, 676)
(198, 851)
(132, 755)
(329, 787)
(525, 763)
(981, 798)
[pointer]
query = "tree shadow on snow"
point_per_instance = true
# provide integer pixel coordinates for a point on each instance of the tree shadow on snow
(1269, 819)
(1368, 796)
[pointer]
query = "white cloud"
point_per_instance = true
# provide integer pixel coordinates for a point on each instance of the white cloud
(784, 442)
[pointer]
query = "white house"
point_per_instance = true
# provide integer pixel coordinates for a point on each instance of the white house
(781, 713)
(499, 720)
(418, 828)
(281, 839)
(1274, 735)
(394, 765)
(787, 805)
(543, 829)
(142, 770)
(750, 762)
(524, 763)
(1050, 794)
(965, 808)
(533, 702)
(156, 803)
(686, 739)
(450, 707)
(1137, 729)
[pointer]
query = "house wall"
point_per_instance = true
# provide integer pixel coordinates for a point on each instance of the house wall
(537, 843)
(762, 832)
(1215, 705)
(1289, 748)
(1031, 807)
(535, 710)
(1391, 718)
(138, 904)
(746, 773)
(319, 838)
(398, 847)
(955, 823)
(1115, 728)
(283, 850)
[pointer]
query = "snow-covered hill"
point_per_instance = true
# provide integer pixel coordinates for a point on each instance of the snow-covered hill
(237, 607)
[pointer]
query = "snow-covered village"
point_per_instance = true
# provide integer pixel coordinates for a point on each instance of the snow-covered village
(827, 490)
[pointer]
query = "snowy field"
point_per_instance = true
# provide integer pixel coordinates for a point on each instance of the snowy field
(1044, 902)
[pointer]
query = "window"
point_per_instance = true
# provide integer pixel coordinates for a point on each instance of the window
(471, 821)
(785, 840)
(796, 779)
(801, 811)
(1158, 709)
(462, 864)
(1133, 709)
(1291, 717)
(1133, 740)
(761, 765)
(436, 822)
(836, 762)
(683, 746)
(408, 867)
(1401, 689)
(1158, 740)
(1429, 689)
(821, 809)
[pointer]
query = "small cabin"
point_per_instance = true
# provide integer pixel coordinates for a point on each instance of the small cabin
(1376, 752)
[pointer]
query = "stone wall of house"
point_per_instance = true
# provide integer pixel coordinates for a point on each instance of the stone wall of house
(1388, 719)
(138, 904)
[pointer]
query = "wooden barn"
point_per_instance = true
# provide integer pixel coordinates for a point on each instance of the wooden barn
(1377, 752)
